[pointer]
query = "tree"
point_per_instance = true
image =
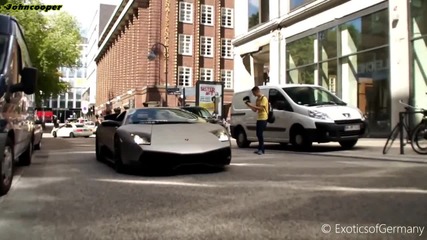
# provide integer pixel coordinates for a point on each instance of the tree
(53, 42)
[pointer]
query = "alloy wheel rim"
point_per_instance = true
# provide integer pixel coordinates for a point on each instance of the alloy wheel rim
(7, 165)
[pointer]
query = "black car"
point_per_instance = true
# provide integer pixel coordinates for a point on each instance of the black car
(17, 86)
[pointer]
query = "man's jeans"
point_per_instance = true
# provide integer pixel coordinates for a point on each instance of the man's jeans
(260, 127)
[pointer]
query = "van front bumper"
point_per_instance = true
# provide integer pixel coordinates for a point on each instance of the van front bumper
(338, 131)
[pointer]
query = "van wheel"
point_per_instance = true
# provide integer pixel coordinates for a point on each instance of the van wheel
(300, 139)
(242, 140)
(6, 168)
(349, 144)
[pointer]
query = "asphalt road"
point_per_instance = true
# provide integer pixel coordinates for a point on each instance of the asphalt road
(67, 194)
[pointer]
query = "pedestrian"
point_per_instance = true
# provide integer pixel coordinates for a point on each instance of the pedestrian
(261, 107)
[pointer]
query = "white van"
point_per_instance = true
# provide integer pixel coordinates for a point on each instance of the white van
(303, 114)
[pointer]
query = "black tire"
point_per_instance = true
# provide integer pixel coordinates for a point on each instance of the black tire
(72, 135)
(26, 158)
(284, 145)
(420, 132)
(300, 139)
(86, 136)
(391, 138)
(349, 144)
(98, 152)
(54, 134)
(241, 139)
(38, 146)
(6, 180)
(118, 164)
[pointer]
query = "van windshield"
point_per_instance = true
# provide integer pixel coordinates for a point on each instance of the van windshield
(3, 49)
(312, 96)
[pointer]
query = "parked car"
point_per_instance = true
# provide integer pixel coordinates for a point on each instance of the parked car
(303, 114)
(167, 137)
(17, 86)
(72, 130)
(91, 125)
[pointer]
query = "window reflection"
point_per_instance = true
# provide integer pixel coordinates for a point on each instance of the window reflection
(364, 33)
(303, 75)
(258, 12)
(301, 52)
(328, 44)
(328, 76)
(419, 18)
(299, 3)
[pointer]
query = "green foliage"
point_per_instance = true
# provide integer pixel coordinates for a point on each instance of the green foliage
(53, 42)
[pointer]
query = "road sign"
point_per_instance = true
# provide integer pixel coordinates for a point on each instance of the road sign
(173, 91)
(85, 107)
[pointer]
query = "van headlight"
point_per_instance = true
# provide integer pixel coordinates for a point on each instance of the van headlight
(317, 115)
(222, 136)
(140, 140)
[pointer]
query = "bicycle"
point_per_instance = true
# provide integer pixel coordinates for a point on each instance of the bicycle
(412, 136)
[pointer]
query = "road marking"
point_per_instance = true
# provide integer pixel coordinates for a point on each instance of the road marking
(148, 182)
(368, 190)
(251, 164)
(59, 152)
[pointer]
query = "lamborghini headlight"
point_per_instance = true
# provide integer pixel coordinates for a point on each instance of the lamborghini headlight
(222, 136)
(140, 140)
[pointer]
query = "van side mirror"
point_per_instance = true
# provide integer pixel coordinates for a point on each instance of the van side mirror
(28, 81)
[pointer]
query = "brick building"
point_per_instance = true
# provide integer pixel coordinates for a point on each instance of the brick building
(198, 35)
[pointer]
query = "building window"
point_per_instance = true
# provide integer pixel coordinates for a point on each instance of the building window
(207, 13)
(185, 44)
(206, 74)
(206, 46)
(298, 3)
(184, 76)
(259, 12)
(70, 95)
(227, 17)
(186, 12)
(226, 48)
(227, 78)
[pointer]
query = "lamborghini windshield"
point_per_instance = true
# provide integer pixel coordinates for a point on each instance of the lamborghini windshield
(3, 49)
(312, 96)
(161, 116)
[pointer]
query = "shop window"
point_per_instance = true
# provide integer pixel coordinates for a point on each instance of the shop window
(301, 52)
(259, 12)
(419, 18)
(78, 104)
(420, 70)
(327, 44)
(70, 104)
(368, 72)
(54, 104)
(302, 75)
(298, 3)
(62, 104)
(364, 33)
(328, 76)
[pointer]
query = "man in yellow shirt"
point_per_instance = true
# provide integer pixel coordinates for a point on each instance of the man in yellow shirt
(261, 107)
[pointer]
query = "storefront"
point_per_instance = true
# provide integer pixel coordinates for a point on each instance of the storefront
(359, 50)
(418, 36)
(350, 57)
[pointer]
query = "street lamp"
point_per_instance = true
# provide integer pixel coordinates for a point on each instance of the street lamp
(154, 52)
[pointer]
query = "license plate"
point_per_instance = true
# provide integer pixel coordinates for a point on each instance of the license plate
(352, 127)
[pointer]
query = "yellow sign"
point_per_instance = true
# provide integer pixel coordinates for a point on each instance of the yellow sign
(210, 106)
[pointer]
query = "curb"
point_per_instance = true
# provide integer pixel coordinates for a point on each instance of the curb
(378, 158)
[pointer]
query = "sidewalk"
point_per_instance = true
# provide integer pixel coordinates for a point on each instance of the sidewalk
(366, 148)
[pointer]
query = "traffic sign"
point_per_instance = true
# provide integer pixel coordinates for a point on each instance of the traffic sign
(85, 107)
